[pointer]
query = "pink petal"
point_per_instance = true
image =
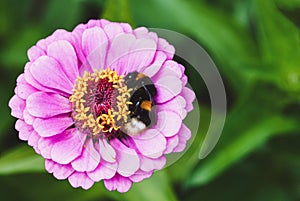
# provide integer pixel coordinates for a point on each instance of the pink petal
(50, 74)
(189, 96)
(103, 171)
(65, 54)
(112, 30)
(93, 23)
(59, 34)
(164, 46)
(23, 89)
(184, 79)
(17, 106)
(36, 149)
(59, 171)
(21, 78)
(151, 70)
(172, 142)
(52, 126)
(103, 22)
(88, 160)
(127, 53)
(167, 88)
(119, 183)
(30, 80)
(46, 144)
(35, 52)
(42, 44)
(107, 152)
(69, 148)
(24, 129)
(168, 123)
(28, 118)
(77, 33)
(118, 51)
(80, 179)
(86, 66)
(140, 176)
(143, 32)
(95, 44)
(182, 68)
(127, 158)
(169, 68)
(176, 105)
(184, 135)
(149, 164)
(47, 105)
(151, 143)
(33, 139)
(126, 27)
(140, 31)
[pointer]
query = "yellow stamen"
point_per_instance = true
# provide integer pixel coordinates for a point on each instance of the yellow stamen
(83, 112)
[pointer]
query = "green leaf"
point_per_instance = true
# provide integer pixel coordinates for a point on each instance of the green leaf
(290, 8)
(157, 187)
(288, 3)
(6, 119)
(279, 44)
(62, 14)
(185, 165)
(13, 15)
(241, 146)
(20, 160)
(47, 188)
(15, 53)
(228, 43)
(254, 120)
(276, 34)
(118, 10)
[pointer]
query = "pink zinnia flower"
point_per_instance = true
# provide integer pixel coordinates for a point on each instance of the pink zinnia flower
(73, 104)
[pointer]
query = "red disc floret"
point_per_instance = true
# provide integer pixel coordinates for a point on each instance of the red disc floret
(103, 96)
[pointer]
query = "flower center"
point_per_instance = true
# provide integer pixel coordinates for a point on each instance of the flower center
(100, 103)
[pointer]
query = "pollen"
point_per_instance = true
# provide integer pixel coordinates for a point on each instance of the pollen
(100, 102)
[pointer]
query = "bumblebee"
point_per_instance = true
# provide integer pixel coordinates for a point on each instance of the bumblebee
(142, 110)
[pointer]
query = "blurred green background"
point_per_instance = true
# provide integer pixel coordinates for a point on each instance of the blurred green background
(256, 46)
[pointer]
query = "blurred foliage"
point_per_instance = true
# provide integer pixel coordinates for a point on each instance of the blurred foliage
(254, 43)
